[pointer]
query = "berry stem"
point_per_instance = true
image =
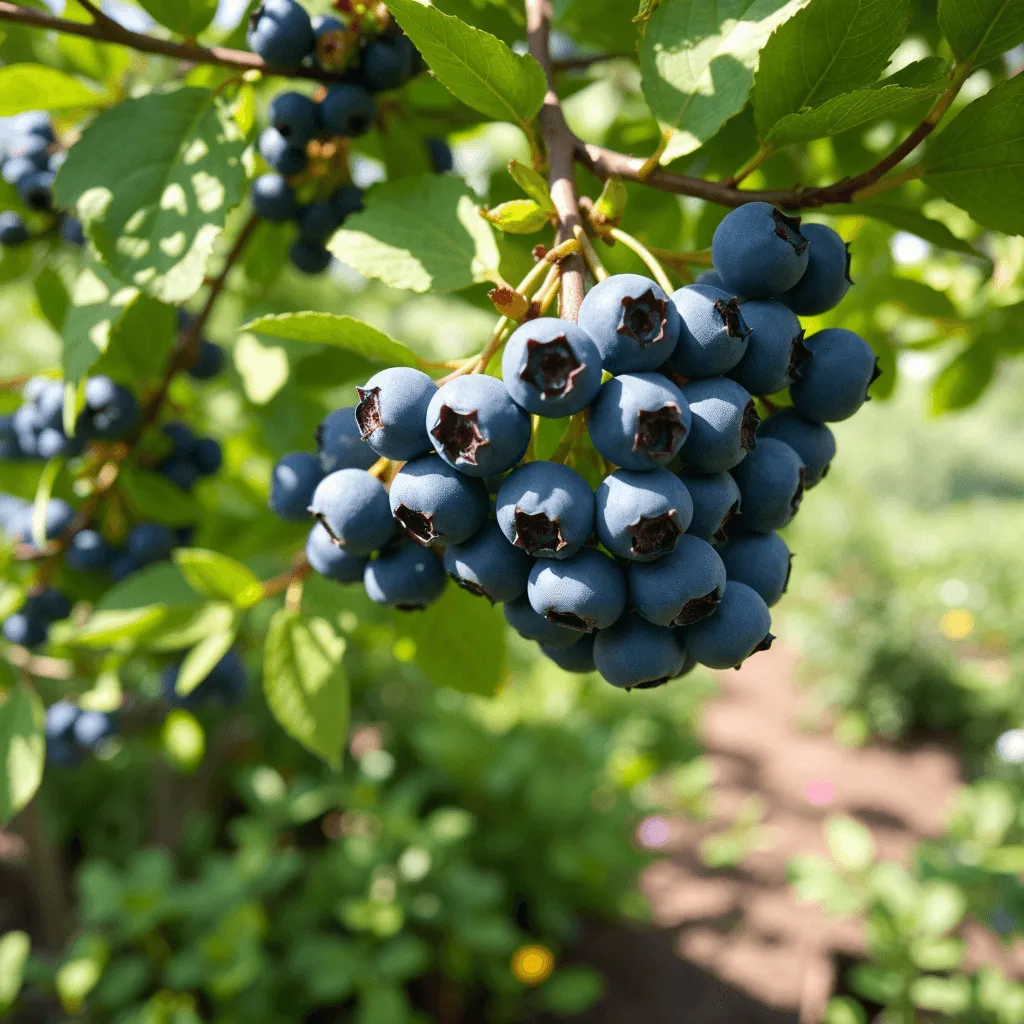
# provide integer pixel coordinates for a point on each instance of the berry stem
(593, 261)
(679, 260)
(577, 428)
(651, 261)
(281, 584)
(763, 153)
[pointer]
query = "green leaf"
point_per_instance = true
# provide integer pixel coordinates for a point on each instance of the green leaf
(154, 208)
(215, 575)
(156, 584)
(22, 749)
(1008, 860)
(344, 332)
(182, 628)
(572, 990)
(942, 907)
(200, 661)
(422, 234)
(53, 297)
(38, 87)
(947, 996)
(917, 297)
(962, 381)
(532, 183)
(44, 489)
(979, 30)
(698, 59)
(112, 628)
(460, 642)
(475, 66)
(850, 843)
(518, 217)
(978, 161)
(844, 1010)
(404, 150)
(14, 950)
(831, 47)
(153, 496)
(185, 17)
(937, 954)
(140, 340)
(842, 113)
(305, 682)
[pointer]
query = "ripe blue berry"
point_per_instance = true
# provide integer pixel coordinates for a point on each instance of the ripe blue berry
(87, 552)
(72, 231)
(346, 200)
(281, 33)
(207, 456)
(122, 565)
(476, 427)
(388, 63)
(60, 719)
(577, 657)
(585, 592)
(519, 614)
(551, 367)
(353, 507)
(225, 685)
(59, 515)
(294, 116)
(292, 485)
(632, 321)
(835, 378)
(209, 363)
(641, 516)
(17, 169)
(813, 442)
(392, 410)
(758, 251)
(26, 627)
(716, 499)
(761, 561)
(775, 348)
(635, 653)
(771, 483)
(180, 471)
(36, 190)
(740, 626)
(13, 230)
(683, 587)
(282, 157)
(546, 509)
(441, 159)
(347, 110)
(827, 278)
(273, 198)
(309, 257)
(34, 122)
(405, 576)
(436, 503)
(724, 424)
(639, 421)
(714, 335)
(317, 222)
(150, 542)
(91, 728)
(111, 411)
(712, 280)
(33, 148)
(339, 443)
(331, 560)
(487, 565)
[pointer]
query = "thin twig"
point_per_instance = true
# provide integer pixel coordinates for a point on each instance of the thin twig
(649, 259)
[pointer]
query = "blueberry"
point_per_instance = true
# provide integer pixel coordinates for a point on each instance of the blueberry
(714, 334)
(440, 152)
(281, 33)
(25, 629)
(392, 411)
(635, 653)
(36, 190)
(716, 499)
(641, 516)
(60, 720)
(294, 116)
(519, 614)
(740, 626)
(225, 684)
(813, 442)
(123, 565)
(273, 198)
(388, 63)
(437, 504)
(585, 592)
(353, 507)
(632, 321)
(11, 511)
(34, 122)
(760, 560)
(207, 456)
(18, 169)
(33, 148)
(91, 728)
(476, 427)
(51, 604)
(487, 565)
(52, 442)
(759, 252)
(309, 257)
(280, 155)
(546, 509)
(59, 515)
(771, 483)
(71, 231)
(182, 437)
(639, 421)
(405, 576)
(346, 200)
(50, 404)
(551, 367)
(683, 587)
(331, 560)
(712, 280)
(724, 424)
(87, 552)
(180, 471)
(317, 222)
(209, 363)
(61, 753)
(13, 230)
(112, 411)
(150, 542)
(775, 348)
(827, 278)
(347, 110)
(339, 443)
(835, 378)
(577, 657)
(295, 479)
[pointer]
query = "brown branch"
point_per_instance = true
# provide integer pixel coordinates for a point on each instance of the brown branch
(561, 146)
(106, 30)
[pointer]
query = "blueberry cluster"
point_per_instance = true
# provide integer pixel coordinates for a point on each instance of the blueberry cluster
(72, 732)
(29, 160)
(282, 32)
(224, 685)
(675, 559)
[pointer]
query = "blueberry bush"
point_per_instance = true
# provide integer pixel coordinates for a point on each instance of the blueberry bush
(378, 378)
